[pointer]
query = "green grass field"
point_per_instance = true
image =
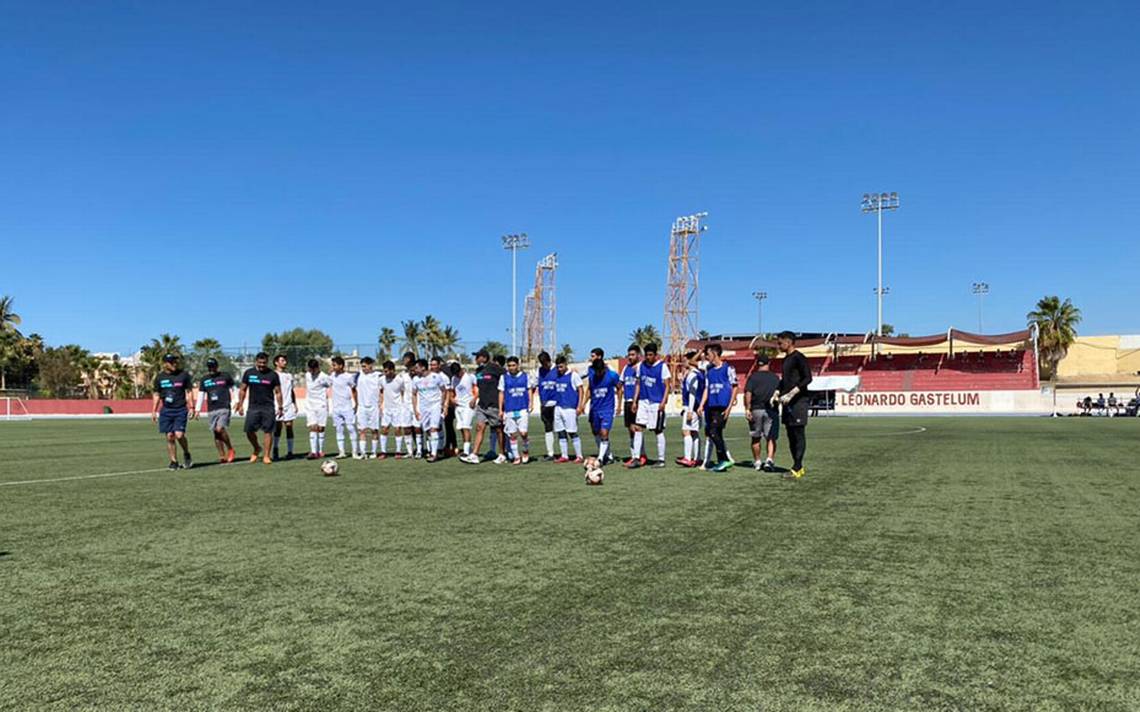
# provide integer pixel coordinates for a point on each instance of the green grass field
(975, 564)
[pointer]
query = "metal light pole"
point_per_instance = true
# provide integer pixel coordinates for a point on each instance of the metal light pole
(760, 297)
(981, 289)
(880, 292)
(514, 243)
(877, 203)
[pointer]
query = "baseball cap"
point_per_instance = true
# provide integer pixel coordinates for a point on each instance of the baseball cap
(170, 358)
(211, 361)
(483, 353)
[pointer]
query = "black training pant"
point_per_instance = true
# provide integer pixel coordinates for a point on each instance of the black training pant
(797, 443)
(714, 428)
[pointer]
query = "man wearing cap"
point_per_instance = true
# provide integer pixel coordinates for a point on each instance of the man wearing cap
(265, 405)
(171, 388)
(487, 414)
(763, 417)
(214, 393)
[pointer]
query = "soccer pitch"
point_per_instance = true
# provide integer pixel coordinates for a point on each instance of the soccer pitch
(938, 563)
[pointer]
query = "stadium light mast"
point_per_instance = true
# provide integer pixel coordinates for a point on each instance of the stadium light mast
(877, 203)
(759, 297)
(514, 243)
(981, 289)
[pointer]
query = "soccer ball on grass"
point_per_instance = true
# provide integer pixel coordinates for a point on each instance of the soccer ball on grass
(330, 468)
(594, 473)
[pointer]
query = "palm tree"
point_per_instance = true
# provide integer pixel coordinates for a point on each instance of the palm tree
(153, 352)
(388, 339)
(1056, 324)
(413, 335)
(8, 318)
(647, 334)
(448, 340)
(9, 337)
(567, 351)
(432, 330)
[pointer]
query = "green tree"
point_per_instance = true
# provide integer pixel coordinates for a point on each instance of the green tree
(298, 345)
(207, 348)
(60, 371)
(1056, 324)
(413, 336)
(10, 338)
(888, 329)
(496, 348)
(388, 340)
(643, 335)
(152, 354)
(567, 351)
(448, 341)
(20, 356)
(703, 335)
(431, 330)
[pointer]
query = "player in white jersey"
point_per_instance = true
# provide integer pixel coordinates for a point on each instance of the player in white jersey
(395, 390)
(317, 387)
(429, 391)
(407, 419)
(344, 407)
(288, 407)
(462, 394)
(368, 386)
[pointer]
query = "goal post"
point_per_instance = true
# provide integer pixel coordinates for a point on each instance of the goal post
(13, 409)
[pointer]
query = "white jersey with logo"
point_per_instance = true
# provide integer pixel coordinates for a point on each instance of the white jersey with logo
(368, 389)
(342, 385)
(429, 390)
(317, 391)
(396, 392)
(464, 387)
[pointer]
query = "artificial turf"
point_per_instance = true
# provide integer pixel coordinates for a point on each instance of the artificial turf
(941, 563)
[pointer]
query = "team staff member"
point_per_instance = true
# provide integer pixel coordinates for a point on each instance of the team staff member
(763, 417)
(265, 405)
(629, 378)
(214, 389)
(794, 397)
(170, 390)
(487, 414)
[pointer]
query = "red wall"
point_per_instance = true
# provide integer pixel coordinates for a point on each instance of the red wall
(81, 407)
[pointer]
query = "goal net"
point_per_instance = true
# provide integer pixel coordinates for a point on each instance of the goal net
(13, 409)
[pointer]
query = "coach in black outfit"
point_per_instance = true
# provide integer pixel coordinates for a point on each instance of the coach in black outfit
(793, 395)
(265, 404)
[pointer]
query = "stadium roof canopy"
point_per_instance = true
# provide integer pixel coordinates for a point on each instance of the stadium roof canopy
(947, 342)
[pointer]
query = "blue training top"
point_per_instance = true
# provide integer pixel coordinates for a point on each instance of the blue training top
(652, 382)
(721, 379)
(516, 392)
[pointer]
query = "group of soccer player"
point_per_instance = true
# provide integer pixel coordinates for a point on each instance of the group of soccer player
(433, 409)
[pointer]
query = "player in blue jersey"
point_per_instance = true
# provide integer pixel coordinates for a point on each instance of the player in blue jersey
(543, 386)
(649, 403)
(692, 393)
(570, 401)
(720, 396)
(514, 404)
(602, 392)
(625, 395)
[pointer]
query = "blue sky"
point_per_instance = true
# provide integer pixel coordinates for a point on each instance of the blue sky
(224, 169)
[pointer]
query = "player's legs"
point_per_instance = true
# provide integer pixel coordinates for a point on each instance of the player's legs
(716, 433)
(172, 448)
(547, 414)
(660, 431)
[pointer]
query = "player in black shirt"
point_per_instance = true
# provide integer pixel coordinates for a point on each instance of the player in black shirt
(265, 405)
(793, 395)
(171, 388)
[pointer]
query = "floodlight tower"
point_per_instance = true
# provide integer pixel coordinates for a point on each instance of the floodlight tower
(981, 289)
(877, 203)
(541, 315)
(514, 243)
(759, 297)
(682, 285)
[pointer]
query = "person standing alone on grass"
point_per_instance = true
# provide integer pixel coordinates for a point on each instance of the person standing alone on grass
(793, 396)
(170, 390)
(265, 405)
(763, 417)
(719, 397)
(215, 390)
(288, 407)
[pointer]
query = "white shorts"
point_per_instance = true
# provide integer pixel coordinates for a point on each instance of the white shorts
(404, 417)
(288, 413)
(317, 417)
(430, 418)
(464, 415)
(647, 414)
(344, 418)
(690, 421)
(566, 419)
(368, 418)
(516, 421)
(390, 418)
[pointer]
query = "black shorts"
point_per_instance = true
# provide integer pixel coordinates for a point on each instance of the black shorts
(629, 414)
(796, 413)
(548, 418)
(263, 419)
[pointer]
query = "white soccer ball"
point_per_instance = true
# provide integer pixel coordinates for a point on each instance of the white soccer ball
(595, 476)
(330, 468)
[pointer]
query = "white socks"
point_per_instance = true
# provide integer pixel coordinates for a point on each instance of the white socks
(313, 442)
(688, 446)
(384, 444)
(562, 445)
(603, 449)
(635, 448)
(550, 444)
(434, 439)
(661, 447)
(466, 447)
(321, 441)
(577, 446)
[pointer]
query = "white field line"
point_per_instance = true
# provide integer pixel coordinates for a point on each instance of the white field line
(87, 477)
